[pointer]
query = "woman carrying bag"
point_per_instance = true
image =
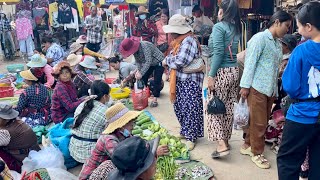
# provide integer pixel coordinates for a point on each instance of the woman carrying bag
(224, 73)
(185, 83)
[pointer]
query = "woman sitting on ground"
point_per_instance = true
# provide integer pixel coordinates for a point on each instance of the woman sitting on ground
(90, 121)
(43, 70)
(54, 52)
(121, 122)
(141, 168)
(17, 138)
(84, 78)
(64, 98)
(126, 70)
(34, 103)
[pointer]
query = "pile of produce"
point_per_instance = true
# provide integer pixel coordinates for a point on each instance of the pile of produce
(149, 130)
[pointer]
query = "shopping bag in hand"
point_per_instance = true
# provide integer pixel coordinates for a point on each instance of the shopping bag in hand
(241, 113)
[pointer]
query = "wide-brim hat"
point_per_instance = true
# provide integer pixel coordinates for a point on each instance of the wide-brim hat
(74, 59)
(119, 115)
(63, 64)
(82, 39)
(7, 112)
(129, 46)
(27, 74)
(177, 24)
(89, 62)
(142, 10)
(37, 61)
(75, 47)
(146, 161)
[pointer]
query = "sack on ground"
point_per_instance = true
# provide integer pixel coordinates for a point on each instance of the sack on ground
(241, 113)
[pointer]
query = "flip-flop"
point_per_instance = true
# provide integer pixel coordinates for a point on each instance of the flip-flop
(154, 104)
(217, 154)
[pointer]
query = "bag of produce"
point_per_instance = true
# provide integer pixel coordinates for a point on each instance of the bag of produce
(241, 113)
(140, 99)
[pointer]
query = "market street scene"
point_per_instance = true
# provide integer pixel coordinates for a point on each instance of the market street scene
(159, 89)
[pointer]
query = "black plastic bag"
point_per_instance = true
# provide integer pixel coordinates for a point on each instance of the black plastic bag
(216, 106)
(140, 84)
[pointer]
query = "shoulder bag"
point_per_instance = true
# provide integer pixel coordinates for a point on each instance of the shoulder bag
(197, 65)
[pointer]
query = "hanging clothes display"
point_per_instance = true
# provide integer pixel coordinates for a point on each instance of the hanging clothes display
(86, 8)
(65, 15)
(7, 43)
(155, 7)
(53, 14)
(80, 7)
(41, 18)
(75, 23)
(24, 35)
(24, 5)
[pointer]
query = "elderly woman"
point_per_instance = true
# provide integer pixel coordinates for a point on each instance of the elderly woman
(34, 103)
(144, 27)
(148, 60)
(90, 121)
(121, 122)
(185, 88)
(64, 98)
(54, 52)
(17, 138)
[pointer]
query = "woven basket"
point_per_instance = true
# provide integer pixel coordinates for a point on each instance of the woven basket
(6, 92)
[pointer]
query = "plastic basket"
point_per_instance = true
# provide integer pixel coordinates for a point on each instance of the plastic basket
(118, 93)
(6, 92)
(14, 68)
(140, 99)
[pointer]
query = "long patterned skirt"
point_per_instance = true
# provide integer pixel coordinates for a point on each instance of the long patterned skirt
(189, 109)
(226, 88)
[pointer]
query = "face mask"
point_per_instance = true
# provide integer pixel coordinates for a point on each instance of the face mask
(88, 71)
(142, 16)
(126, 133)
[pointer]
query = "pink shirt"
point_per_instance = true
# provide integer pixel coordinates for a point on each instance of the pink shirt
(23, 28)
(162, 37)
(47, 69)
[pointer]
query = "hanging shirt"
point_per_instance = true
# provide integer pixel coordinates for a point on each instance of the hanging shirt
(23, 28)
(80, 7)
(118, 22)
(65, 15)
(75, 23)
(86, 8)
(41, 18)
(53, 14)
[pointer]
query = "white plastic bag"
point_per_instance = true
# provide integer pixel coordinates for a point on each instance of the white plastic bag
(60, 174)
(48, 157)
(241, 113)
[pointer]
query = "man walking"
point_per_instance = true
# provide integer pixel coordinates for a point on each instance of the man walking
(93, 24)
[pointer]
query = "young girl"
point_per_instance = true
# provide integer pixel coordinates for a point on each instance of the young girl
(259, 83)
(301, 83)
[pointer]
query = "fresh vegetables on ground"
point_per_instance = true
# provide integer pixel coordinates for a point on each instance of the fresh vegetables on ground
(167, 167)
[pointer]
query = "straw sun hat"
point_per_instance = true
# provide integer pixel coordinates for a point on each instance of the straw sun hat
(118, 116)
(142, 10)
(177, 24)
(27, 74)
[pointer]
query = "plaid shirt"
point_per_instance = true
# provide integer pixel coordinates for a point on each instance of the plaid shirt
(36, 101)
(187, 52)
(91, 128)
(93, 33)
(64, 101)
(81, 79)
(6, 174)
(148, 55)
(102, 152)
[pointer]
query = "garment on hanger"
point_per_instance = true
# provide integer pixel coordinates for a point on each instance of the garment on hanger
(75, 23)
(53, 14)
(41, 18)
(23, 28)
(86, 8)
(65, 15)
(80, 7)
(41, 3)
(23, 5)
(155, 6)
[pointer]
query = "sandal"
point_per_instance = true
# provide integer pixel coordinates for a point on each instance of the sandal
(247, 151)
(154, 104)
(261, 161)
(217, 154)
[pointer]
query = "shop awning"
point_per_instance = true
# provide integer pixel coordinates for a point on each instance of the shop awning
(9, 2)
(137, 1)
